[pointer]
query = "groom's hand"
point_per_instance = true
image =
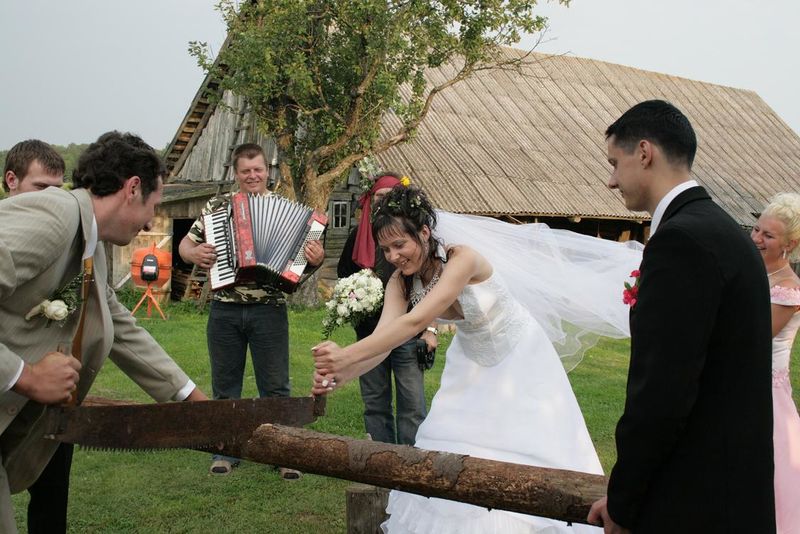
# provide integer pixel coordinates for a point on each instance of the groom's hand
(598, 516)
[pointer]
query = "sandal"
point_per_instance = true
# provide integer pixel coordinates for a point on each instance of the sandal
(289, 474)
(221, 467)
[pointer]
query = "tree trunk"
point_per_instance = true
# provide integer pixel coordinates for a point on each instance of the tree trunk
(307, 294)
(554, 493)
(366, 508)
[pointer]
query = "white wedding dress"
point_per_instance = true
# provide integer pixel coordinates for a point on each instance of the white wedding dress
(505, 396)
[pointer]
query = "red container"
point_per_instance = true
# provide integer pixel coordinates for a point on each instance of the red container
(164, 266)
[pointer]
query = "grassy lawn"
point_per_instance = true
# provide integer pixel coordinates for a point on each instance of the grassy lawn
(172, 492)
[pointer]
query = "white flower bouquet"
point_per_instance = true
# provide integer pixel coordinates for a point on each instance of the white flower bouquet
(354, 298)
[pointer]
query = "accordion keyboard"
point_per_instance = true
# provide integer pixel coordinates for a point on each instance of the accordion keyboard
(316, 229)
(218, 229)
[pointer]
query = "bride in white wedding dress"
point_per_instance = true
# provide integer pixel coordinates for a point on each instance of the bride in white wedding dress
(504, 393)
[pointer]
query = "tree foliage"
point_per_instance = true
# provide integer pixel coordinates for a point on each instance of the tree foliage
(321, 74)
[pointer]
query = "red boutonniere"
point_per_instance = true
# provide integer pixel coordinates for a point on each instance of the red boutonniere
(631, 292)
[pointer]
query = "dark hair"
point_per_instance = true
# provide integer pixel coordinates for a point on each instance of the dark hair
(107, 163)
(660, 123)
(21, 155)
(246, 151)
(407, 210)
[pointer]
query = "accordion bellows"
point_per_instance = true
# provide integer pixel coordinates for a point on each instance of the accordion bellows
(261, 238)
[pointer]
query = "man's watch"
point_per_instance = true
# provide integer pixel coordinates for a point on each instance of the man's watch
(432, 330)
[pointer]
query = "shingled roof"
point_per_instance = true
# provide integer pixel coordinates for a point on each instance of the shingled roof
(502, 143)
(532, 144)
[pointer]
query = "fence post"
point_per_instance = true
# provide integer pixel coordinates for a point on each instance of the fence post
(366, 508)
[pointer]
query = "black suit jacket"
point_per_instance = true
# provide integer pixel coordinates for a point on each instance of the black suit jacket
(694, 444)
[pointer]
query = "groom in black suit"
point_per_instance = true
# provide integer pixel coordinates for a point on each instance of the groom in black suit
(694, 443)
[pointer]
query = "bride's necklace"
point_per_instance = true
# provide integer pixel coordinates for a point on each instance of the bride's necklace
(779, 270)
(418, 292)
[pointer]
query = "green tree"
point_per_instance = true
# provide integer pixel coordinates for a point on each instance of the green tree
(320, 75)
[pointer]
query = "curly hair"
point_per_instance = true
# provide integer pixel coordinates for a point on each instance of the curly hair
(105, 166)
(786, 208)
(407, 210)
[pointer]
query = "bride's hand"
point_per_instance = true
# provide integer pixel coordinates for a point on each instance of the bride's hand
(329, 358)
(322, 384)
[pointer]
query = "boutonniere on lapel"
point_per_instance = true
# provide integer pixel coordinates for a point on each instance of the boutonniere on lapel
(631, 291)
(61, 304)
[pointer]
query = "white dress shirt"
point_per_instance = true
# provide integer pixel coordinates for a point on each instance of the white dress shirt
(658, 214)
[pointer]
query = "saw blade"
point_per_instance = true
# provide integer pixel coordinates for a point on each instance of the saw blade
(219, 425)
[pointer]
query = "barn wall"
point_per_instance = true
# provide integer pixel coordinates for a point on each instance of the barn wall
(229, 126)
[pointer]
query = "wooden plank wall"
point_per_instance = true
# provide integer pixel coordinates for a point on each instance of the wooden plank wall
(208, 159)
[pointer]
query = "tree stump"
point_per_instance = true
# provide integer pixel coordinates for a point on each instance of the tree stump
(366, 508)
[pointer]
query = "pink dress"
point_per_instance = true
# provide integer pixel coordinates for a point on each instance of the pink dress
(787, 421)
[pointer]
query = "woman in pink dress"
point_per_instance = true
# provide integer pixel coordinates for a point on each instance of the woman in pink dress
(776, 235)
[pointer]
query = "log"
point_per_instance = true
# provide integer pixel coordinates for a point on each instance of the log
(553, 493)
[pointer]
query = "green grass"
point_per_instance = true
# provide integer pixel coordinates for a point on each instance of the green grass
(172, 492)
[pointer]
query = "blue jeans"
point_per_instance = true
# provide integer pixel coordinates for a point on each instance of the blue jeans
(376, 392)
(232, 327)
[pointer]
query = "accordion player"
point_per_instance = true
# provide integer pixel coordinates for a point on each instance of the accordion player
(261, 237)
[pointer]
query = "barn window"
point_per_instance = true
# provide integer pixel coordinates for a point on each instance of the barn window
(341, 213)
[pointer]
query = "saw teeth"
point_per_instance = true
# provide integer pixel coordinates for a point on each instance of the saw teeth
(197, 446)
(122, 449)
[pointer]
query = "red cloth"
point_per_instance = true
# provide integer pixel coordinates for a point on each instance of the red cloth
(364, 249)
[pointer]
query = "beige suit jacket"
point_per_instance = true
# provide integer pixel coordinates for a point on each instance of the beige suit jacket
(42, 240)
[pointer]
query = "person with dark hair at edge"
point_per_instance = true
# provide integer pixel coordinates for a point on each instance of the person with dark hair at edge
(32, 165)
(694, 443)
(49, 240)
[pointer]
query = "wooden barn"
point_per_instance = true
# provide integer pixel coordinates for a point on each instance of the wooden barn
(521, 147)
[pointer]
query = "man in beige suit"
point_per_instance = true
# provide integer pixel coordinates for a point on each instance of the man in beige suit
(33, 165)
(44, 241)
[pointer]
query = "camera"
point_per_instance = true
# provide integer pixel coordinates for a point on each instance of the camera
(425, 357)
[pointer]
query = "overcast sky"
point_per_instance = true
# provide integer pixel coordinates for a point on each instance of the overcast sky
(71, 70)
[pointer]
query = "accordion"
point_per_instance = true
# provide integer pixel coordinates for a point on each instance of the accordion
(261, 238)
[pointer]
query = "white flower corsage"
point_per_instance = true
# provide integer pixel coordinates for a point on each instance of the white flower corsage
(60, 305)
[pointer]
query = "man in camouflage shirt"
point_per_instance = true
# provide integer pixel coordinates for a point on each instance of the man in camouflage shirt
(249, 313)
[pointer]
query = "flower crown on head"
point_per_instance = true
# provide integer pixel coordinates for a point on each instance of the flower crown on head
(413, 208)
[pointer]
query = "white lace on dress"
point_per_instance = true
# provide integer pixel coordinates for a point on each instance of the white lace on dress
(493, 321)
